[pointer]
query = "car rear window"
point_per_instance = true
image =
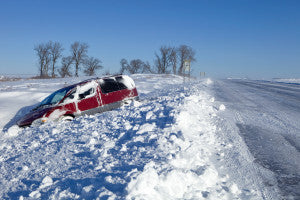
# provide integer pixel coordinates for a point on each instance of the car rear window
(120, 82)
(112, 84)
(109, 85)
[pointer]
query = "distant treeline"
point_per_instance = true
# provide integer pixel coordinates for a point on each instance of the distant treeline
(167, 60)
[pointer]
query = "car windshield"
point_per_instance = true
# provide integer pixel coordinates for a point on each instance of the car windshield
(56, 97)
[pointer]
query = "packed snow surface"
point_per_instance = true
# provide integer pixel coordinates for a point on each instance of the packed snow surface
(198, 139)
(287, 80)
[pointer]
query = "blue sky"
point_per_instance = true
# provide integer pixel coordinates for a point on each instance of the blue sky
(242, 38)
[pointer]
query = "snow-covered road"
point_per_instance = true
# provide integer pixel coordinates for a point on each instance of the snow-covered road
(267, 116)
(205, 139)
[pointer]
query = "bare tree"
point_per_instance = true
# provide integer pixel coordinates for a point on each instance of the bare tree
(55, 50)
(43, 53)
(158, 64)
(79, 53)
(135, 66)
(91, 65)
(41, 57)
(185, 53)
(47, 61)
(162, 61)
(65, 68)
(124, 66)
(173, 60)
(146, 68)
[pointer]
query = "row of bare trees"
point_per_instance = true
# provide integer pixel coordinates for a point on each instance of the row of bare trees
(167, 60)
(135, 66)
(50, 52)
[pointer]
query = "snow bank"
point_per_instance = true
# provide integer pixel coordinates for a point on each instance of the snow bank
(190, 145)
(286, 80)
(167, 146)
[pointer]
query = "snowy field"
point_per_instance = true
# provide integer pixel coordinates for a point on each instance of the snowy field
(294, 80)
(204, 139)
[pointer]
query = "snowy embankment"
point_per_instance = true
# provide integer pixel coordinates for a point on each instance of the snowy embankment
(170, 145)
(287, 80)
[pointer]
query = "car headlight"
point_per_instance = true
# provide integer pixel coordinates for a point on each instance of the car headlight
(44, 119)
(39, 121)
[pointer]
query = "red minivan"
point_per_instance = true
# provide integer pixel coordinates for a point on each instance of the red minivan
(88, 97)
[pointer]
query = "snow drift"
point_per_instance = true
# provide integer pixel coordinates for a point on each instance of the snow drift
(173, 144)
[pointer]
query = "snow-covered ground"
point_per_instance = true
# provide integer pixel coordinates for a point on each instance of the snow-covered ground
(266, 115)
(204, 139)
(287, 80)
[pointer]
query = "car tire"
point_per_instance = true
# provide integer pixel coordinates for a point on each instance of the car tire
(66, 118)
(127, 101)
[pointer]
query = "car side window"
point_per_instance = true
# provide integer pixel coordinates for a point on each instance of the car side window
(70, 97)
(88, 93)
(109, 85)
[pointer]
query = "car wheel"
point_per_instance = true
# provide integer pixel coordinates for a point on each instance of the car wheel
(127, 101)
(66, 118)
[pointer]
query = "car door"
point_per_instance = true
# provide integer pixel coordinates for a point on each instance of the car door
(110, 90)
(88, 99)
(69, 102)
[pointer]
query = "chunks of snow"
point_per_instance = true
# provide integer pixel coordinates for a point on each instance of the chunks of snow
(222, 107)
(149, 115)
(235, 189)
(137, 104)
(146, 128)
(47, 181)
(188, 173)
(87, 189)
(144, 186)
(208, 81)
(35, 194)
(12, 131)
